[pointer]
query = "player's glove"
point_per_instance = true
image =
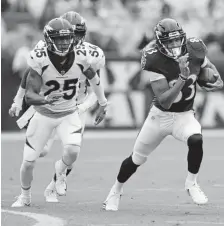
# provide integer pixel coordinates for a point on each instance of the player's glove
(101, 114)
(183, 65)
(53, 97)
(16, 108)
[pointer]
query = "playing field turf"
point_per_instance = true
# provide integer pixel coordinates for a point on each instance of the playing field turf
(154, 196)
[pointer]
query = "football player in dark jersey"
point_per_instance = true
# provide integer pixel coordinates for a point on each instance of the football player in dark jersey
(173, 66)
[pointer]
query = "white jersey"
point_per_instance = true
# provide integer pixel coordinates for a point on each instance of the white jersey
(59, 80)
(97, 60)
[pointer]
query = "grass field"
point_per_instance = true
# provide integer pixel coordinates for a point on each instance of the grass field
(154, 196)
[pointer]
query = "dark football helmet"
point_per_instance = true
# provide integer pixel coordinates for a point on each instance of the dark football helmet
(78, 24)
(59, 36)
(170, 38)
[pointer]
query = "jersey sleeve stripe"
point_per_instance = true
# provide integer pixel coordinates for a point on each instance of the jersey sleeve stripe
(155, 76)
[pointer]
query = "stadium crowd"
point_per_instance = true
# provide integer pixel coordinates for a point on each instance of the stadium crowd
(120, 27)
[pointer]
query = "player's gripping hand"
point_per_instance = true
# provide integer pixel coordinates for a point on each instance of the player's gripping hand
(15, 109)
(53, 97)
(100, 114)
(218, 84)
(183, 65)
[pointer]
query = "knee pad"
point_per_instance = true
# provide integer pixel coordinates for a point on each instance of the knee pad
(28, 164)
(72, 150)
(138, 159)
(142, 149)
(195, 141)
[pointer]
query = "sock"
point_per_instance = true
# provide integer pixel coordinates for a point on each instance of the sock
(26, 175)
(128, 167)
(26, 191)
(60, 167)
(51, 186)
(191, 177)
(118, 186)
(68, 171)
(195, 153)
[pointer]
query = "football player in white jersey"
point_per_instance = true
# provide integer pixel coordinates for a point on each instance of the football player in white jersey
(52, 87)
(86, 98)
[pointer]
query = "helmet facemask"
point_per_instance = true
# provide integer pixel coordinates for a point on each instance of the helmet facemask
(171, 44)
(61, 43)
(79, 34)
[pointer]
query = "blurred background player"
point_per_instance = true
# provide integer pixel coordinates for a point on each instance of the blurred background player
(52, 87)
(175, 63)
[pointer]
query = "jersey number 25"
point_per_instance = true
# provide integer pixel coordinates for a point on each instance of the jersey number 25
(69, 84)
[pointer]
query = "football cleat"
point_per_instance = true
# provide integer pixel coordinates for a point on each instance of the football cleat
(197, 195)
(112, 201)
(22, 201)
(50, 195)
(60, 184)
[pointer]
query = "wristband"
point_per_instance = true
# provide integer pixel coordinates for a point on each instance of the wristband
(103, 104)
(182, 78)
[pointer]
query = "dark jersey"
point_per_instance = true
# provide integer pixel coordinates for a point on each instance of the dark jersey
(153, 60)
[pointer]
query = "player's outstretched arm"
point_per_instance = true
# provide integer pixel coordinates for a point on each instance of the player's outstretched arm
(98, 89)
(219, 83)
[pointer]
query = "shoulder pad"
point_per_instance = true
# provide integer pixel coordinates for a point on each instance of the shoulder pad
(95, 51)
(37, 59)
(149, 56)
(82, 56)
(97, 56)
(150, 45)
(40, 44)
(98, 63)
(196, 47)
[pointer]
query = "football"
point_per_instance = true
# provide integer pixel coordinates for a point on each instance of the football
(206, 75)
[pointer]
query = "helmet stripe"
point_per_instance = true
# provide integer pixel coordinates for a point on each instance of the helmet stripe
(62, 22)
(71, 15)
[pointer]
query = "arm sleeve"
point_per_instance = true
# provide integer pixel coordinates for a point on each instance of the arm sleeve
(153, 76)
(19, 95)
(90, 100)
(98, 90)
(23, 81)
